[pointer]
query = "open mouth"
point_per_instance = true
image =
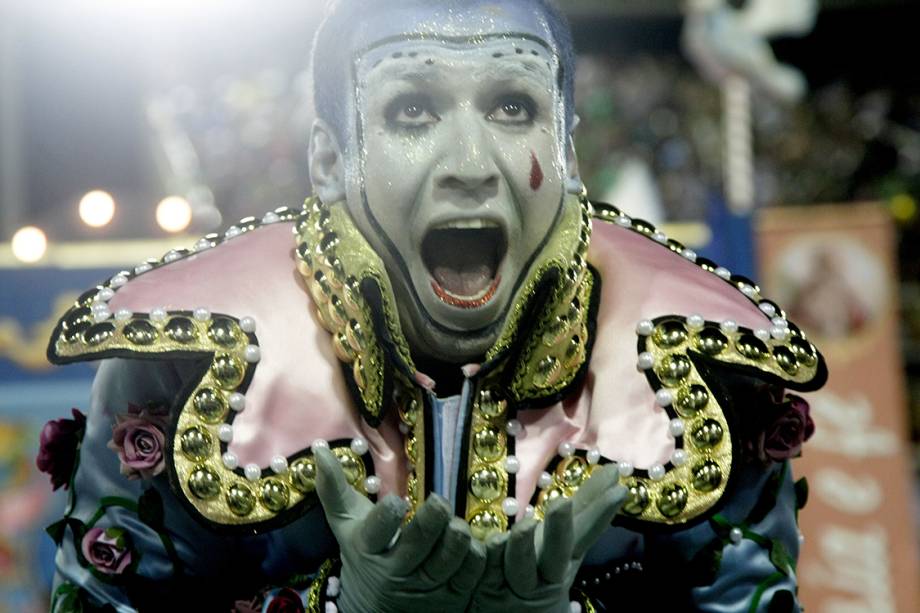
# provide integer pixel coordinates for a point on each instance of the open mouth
(463, 259)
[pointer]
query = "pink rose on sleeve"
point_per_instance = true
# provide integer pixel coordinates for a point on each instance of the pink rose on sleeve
(139, 439)
(107, 550)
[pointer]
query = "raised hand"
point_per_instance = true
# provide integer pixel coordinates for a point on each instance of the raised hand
(431, 563)
(532, 567)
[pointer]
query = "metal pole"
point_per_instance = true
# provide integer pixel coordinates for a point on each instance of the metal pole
(738, 149)
(12, 190)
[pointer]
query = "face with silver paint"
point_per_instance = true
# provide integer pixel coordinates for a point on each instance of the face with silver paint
(461, 168)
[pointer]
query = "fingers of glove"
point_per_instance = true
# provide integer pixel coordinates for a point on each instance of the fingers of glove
(382, 523)
(448, 554)
(471, 569)
(556, 548)
(521, 558)
(340, 501)
(420, 535)
(595, 509)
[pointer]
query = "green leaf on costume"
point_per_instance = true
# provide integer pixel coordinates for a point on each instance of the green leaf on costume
(767, 499)
(150, 509)
(56, 531)
(67, 599)
(801, 493)
(781, 558)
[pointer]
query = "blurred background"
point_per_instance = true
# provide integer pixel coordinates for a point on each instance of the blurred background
(781, 138)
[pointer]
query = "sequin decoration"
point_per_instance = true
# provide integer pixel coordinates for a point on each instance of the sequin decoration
(487, 470)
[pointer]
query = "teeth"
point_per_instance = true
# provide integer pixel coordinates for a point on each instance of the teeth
(466, 224)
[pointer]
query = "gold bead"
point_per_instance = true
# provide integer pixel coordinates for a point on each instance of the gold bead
(804, 351)
(637, 499)
(343, 350)
(98, 334)
(669, 334)
(673, 369)
(786, 359)
(486, 484)
(708, 434)
(357, 371)
(181, 330)
(549, 369)
(140, 332)
(707, 476)
(355, 336)
(751, 347)
(351, 465)
(303, 475)
(692, 399)
(240, 500)
(711, 342)
(489, 444)
(487, 522)
(204, 483)
(490, 406)
(672, 501)
(209, 404)
(224, 331)
(336, 311)
(574, 472)
(274, 495)
(76, 322)
(408, 412)
(412, 449)
(227, 370)
(195, 444)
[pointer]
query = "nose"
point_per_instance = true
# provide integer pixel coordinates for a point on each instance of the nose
(467, 170)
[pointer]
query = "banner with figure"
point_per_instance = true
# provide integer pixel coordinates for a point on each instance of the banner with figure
(832, 268)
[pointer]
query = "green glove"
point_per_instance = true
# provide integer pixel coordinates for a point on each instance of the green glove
(432, 566)
(532, 567)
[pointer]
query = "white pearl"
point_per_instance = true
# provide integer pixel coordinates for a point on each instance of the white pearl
(512, 465)
(225, 433)
(248, 325)
(510, 507)
(566, 449)
(330, 607)
(279, 464)
(514, 427)
(100, 315)
(232, 232)
(139, 270)
(678, 457)
(545, 480)
(645, 327)
(158, 314)
(230, 460)
(359, 445)
(625, 469)
(252, 472)
(729, 326)
(122, 315)
(201, 314)
(105, 294)
(767, 308)
(763, 334)
(594, 456)
(748, 291)
(676, 427)
(623, 220)
(252, 354)
(270, 217)
(319, 444)
(404, 428)
(333, 587)
(117, 281)
(574, 606)
(801, 537)
(237, 401)
(780, 321)
(99, 306)
(664, 397)
(689, 254)
(646, 360)
(723, 272)
(779, 333)
(656, 472)
(528, 511)
(372, 484)
(172, 256)
(696, 321)
(735, 535)
(660, 237)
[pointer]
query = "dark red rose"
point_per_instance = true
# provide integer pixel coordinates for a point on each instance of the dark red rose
(139, 440)
(285, 601)
(58, 445)
(783, 438)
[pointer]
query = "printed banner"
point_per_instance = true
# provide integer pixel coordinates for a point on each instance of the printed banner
(832, 269)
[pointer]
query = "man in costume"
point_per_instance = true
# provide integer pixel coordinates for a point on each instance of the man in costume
(427, 398)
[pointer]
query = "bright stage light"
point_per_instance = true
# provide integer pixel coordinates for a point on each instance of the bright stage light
(29, 244)
(97, 208)
(174, 213)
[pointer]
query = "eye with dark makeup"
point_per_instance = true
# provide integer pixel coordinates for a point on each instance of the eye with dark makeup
(410, 112)
(513, 109)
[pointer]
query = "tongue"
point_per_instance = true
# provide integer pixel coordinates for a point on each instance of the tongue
(469, 280)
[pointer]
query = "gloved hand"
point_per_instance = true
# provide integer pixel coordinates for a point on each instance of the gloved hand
(433, 565)
(532, 567)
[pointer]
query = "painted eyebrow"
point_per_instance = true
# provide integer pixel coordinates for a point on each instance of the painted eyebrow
(526, 71)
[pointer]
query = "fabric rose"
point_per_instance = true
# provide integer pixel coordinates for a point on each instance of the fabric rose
(58, 444)
(285, 600)
(138, 438)
(107, 550)
(783, 438)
